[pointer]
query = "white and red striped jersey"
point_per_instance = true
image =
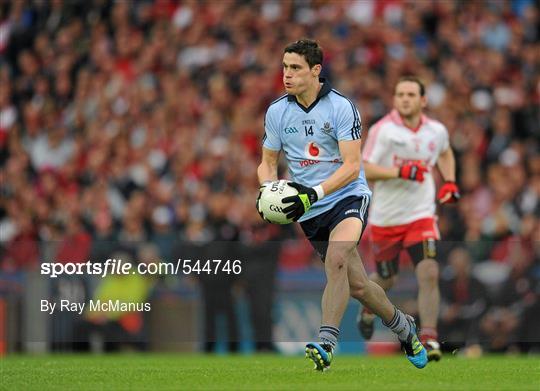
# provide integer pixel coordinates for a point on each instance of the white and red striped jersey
(390, 144)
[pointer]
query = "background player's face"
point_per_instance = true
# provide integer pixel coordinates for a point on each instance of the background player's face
(407, 99)
(297, 75)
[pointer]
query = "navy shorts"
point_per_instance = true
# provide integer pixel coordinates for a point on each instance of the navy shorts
(318, 228)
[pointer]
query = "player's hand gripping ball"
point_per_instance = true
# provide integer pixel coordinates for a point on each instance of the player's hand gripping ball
(270, 204)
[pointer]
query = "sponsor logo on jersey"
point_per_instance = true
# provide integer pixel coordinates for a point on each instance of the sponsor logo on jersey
(308, 162)
(311, 162)
(290, 130)
(312, 150)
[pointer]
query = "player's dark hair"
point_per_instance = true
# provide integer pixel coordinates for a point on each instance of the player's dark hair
(308, 48)
(414, 79)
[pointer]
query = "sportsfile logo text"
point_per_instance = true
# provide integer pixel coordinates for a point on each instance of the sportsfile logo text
(119, 267)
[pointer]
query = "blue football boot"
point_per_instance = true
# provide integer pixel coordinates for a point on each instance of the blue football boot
(413, 348)
(321, 355)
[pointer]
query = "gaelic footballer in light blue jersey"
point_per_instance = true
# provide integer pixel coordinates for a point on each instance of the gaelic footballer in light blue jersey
(309, 138)
(319, 131)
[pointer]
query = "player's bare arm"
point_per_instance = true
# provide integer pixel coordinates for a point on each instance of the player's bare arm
(446, 164)
(349, 170)
(375, 172)
(267, 170)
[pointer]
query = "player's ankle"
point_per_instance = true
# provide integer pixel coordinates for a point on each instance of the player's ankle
(328, 335)
(428, 334)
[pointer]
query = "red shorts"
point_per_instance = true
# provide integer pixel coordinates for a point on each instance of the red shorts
(387, 242)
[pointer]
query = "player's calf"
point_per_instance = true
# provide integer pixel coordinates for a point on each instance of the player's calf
(365, 320)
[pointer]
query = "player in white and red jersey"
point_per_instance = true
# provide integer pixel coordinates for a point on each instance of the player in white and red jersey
(401, 152)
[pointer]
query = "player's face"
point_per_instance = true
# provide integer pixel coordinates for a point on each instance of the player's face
(407, 99)
(297, 75)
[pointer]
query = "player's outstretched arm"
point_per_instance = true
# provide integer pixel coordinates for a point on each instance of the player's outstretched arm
(374, 172)
(413, 171)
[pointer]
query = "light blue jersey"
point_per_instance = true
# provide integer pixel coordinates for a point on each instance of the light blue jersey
(309, 137)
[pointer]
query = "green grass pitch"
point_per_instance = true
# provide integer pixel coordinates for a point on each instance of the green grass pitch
(263, 372)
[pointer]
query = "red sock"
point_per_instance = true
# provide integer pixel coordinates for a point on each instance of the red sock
(427, 333)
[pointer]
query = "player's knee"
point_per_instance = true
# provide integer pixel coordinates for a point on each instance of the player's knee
(338, 256)
(336, 262)
(428, 272)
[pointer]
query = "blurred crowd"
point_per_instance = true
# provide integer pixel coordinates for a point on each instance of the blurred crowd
(141, 120)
